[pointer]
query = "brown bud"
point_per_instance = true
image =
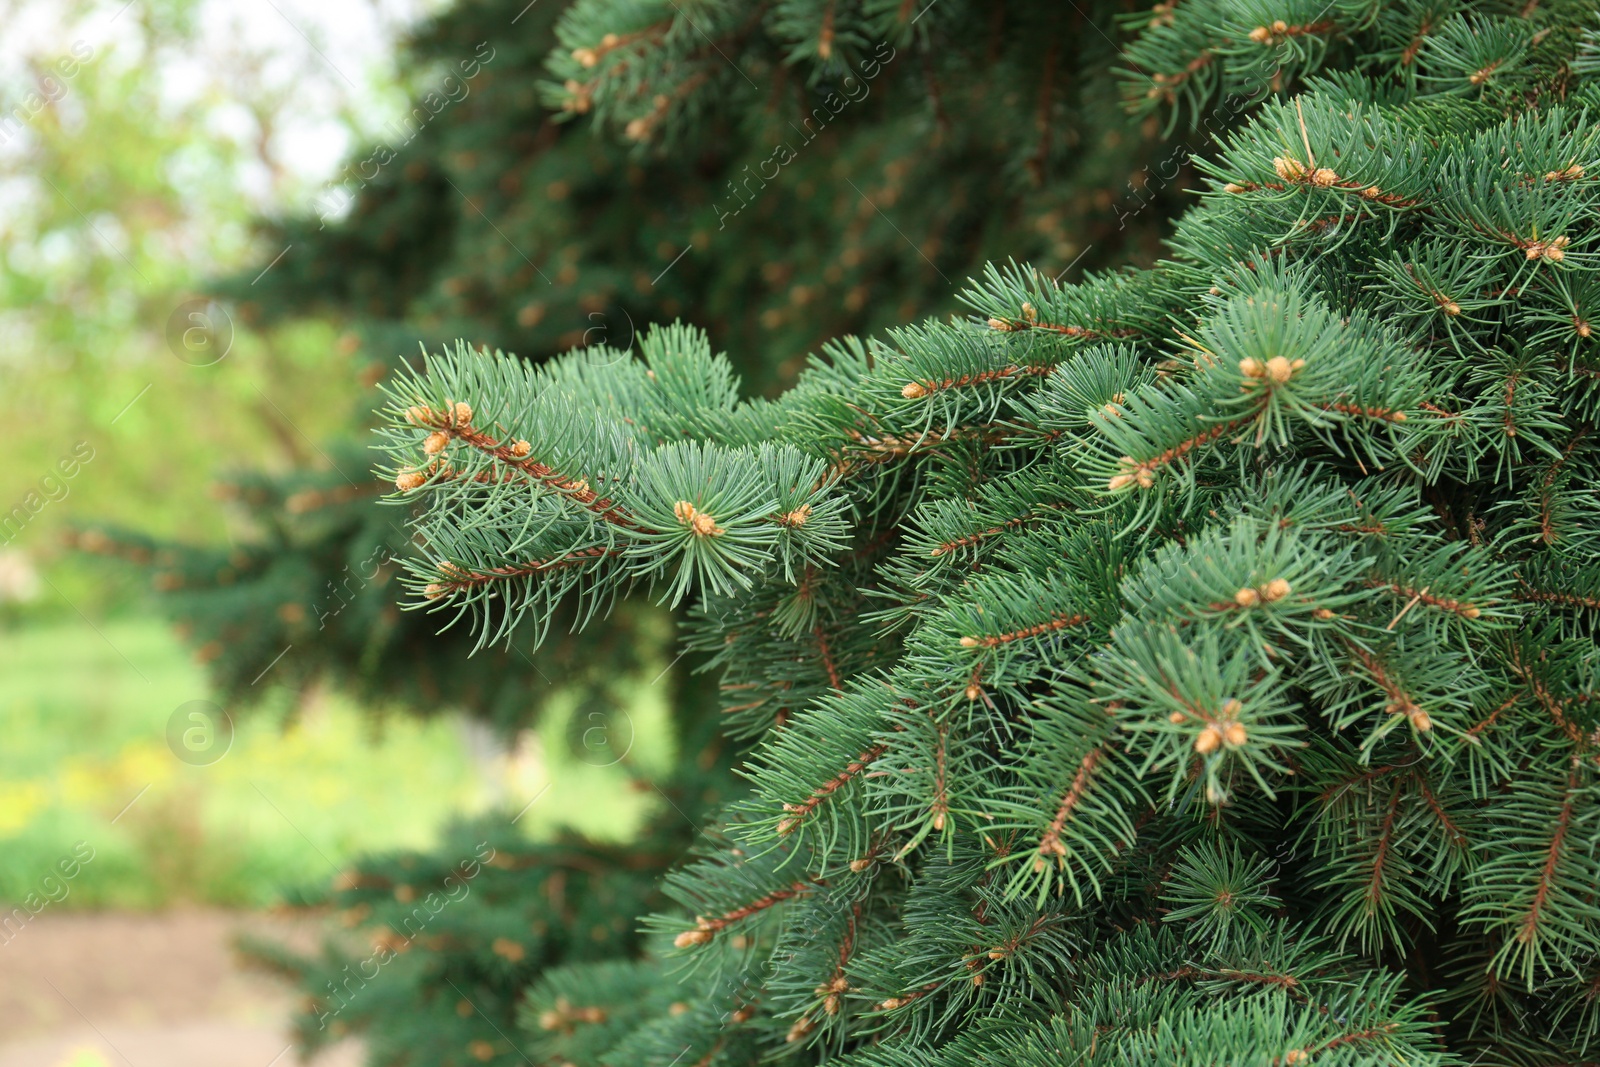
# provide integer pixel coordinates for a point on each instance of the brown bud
(1247, 597)
(857, 866)
(974, 691)
(1119, 481)
(1234, 734)
(406, 481)
(830, 1004)
(1261, 35)
(1279, 370)
(970, 642)
(549, 1020)
(1322, 613)
(586, 57)
(1288, 168)
(802, 1026)
(1419, 719)
(1177, 717)
(434, 591)
(999, 324)
(1280, 26)
(914, 391)
(1276, 589)
(418, 415)
(462, 413)
(702, 524)
(435, 443)
(891, 1004)
(1207, 740)
(520, 448)
(692, 938)
(1324, 177)
(1252, 368)
(1296, 1057)
(1232, 187)
(1029, 312)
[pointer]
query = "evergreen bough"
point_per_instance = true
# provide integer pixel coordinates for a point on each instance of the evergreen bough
(1191, 665)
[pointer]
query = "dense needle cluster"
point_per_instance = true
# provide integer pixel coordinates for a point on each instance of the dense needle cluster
(1190, 665)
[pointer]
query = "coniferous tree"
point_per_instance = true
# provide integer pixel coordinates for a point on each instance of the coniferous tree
(507, 218)
(1188, 665)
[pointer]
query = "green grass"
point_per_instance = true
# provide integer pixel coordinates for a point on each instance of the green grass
(85, 758)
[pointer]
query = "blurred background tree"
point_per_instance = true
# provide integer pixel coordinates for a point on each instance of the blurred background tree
(136, 147)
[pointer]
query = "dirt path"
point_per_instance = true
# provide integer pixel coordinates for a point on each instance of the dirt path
(110, 990)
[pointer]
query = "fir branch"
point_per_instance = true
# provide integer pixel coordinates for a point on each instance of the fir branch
(456, 424)
(1057, 622)
(1422, 596)
(1550, 596)
(1050, 846)
(1142, 472)
(1553, 705)
(1547, 873)
(798, 813)
(454, 578)
(916, 390)
(1075, 333)
(705, 928)
(1375, 888)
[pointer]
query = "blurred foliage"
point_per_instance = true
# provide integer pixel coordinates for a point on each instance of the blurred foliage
(484, 213)
(302, 790)
(85, 739)
(122, 192)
